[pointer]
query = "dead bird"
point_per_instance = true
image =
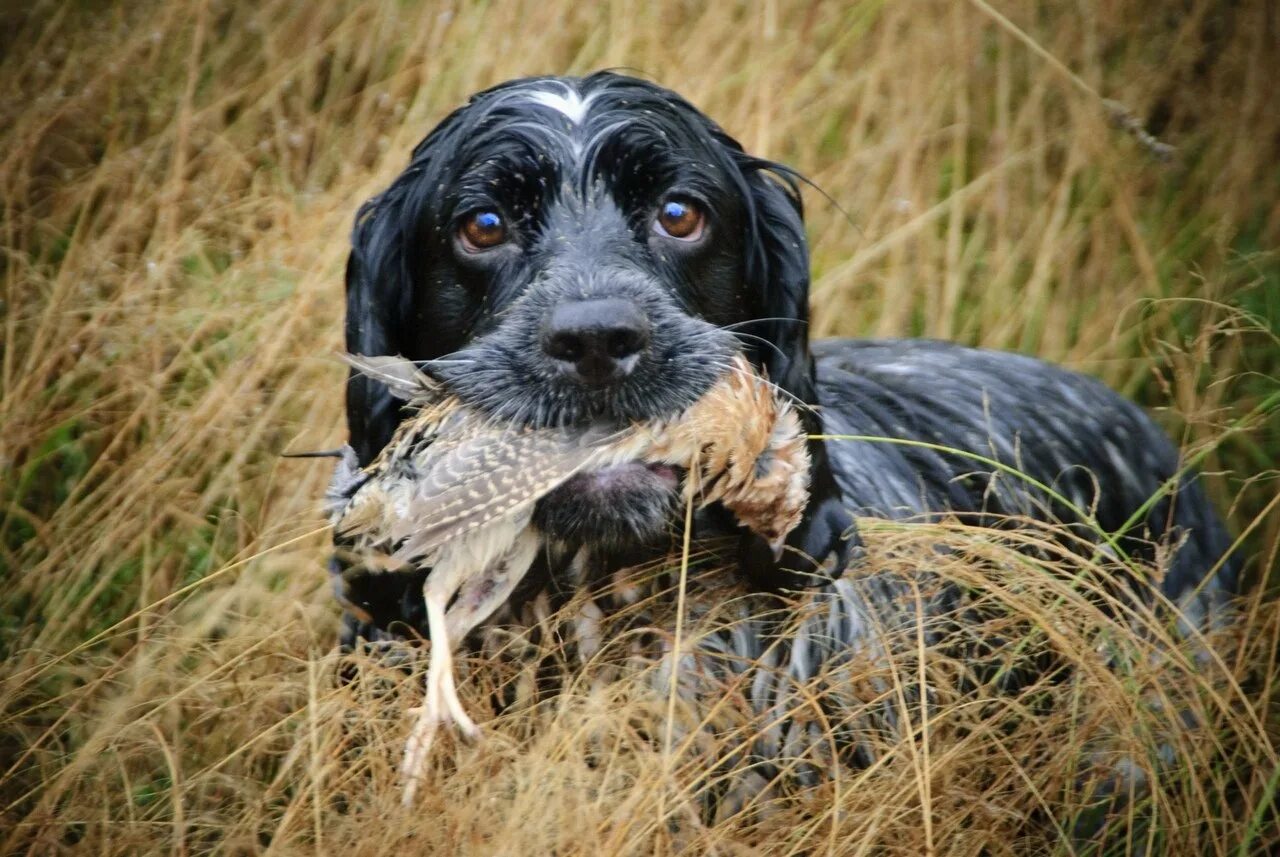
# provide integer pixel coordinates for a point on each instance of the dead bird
(454, 491)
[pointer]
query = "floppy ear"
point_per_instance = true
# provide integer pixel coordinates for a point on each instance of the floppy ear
(384, 276)
(378, 287)
(379, 292)
(777, 273)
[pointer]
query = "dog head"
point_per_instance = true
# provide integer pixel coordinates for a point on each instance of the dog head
(581, 250)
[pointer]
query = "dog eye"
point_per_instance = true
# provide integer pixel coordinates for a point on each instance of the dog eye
(678, 218)
(482, 230)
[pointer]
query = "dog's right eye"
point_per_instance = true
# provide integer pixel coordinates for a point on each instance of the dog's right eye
(481, 230)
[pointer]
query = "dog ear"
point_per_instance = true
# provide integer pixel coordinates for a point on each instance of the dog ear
(377, 286)
(777, 274)
(388, 252)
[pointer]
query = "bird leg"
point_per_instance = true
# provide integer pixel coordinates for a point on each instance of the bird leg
(456, 603)
(481, 594)
(441, 704)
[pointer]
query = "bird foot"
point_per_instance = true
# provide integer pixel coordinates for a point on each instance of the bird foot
(441, 707)
(416, 750)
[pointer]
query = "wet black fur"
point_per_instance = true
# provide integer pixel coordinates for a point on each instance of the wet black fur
(581, 226)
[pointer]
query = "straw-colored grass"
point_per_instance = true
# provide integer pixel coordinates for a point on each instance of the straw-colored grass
(177, 181)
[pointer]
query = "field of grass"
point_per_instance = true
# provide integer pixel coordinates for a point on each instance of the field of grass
(177, 182)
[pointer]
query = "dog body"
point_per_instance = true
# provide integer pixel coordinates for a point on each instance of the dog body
(1074, 453)
(593, 251)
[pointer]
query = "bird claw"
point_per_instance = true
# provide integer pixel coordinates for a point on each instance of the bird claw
(421, 738)
(469, 730)
(416, 749)
(462, 723)
(441, 707)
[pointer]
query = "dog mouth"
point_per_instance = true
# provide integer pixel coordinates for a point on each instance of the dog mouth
(509, 373)
(624, 504)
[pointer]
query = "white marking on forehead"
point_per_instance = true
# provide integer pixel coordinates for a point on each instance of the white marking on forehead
(567, 101)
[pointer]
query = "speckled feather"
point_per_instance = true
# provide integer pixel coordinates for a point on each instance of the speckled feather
(450, 471)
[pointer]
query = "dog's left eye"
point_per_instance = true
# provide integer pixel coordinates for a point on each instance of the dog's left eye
(482, 230)
(679, 218)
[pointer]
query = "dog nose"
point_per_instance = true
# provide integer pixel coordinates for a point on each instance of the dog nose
(596, 341)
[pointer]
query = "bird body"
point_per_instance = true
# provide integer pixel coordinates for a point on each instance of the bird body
(455, 491)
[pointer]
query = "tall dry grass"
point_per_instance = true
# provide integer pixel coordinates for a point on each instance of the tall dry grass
(177, 181)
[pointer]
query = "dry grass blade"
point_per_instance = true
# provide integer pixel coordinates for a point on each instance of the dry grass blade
(176, 182)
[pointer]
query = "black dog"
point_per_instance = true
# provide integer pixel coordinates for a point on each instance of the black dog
(568, 250)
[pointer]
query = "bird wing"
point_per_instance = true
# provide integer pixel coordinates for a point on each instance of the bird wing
(470, 478)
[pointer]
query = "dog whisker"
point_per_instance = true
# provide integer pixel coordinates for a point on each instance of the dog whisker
(738, 324)
(778, 389)
(762, 341)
